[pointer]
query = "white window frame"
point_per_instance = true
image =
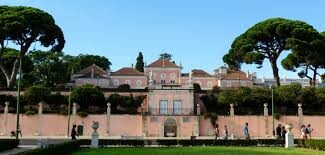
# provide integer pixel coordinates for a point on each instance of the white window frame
(177, 107)
(163, 107)
(127, 82)
(163, 75)
(116, 82)
(228, 84)
(139, 82)
(243, 83)
(209, 83)
(172, 75)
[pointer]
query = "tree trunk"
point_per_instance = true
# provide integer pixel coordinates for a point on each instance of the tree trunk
(275, 72)
(314, 77)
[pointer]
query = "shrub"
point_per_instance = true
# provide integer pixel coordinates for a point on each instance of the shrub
(30, 112)
(277, 116)
(124, 87)
(88, 95)
(7, 144)
(63, 148)
(197, 87)
(315, 144)
(36, 94)
(82, 114)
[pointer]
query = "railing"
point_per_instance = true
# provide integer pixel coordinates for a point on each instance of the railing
(169, 111)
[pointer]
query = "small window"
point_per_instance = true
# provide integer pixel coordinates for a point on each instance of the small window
(173, 75)
(228, 84)
(116, 82)
(139, 82)
(162, 75)
(209, 84)
(127, 82)
(172, 81)
(243, 83)
(162, 81)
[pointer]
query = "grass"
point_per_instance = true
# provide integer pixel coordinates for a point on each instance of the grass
(200, 151)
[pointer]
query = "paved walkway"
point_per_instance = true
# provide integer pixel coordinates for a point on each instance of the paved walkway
(20, 148)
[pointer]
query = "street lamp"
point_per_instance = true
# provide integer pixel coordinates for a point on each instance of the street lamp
(69, 111)
(18, 100)
(272, 111)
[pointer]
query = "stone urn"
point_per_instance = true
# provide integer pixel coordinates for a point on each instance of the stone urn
(95, 126)
(289, 127)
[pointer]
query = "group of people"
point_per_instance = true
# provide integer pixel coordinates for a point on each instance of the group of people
(217, 132)
(306, 131)
(280, 132)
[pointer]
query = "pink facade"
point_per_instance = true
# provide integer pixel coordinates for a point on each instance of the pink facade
(135, 82)
(103, 82)
(206, 83)
(164, 75)
(235, 83)
(154, 126)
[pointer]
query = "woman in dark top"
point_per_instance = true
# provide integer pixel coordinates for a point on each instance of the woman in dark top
(283, 132)
(74, 132)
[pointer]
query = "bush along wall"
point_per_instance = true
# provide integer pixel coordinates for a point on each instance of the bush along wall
(315, 144)
(7, 144)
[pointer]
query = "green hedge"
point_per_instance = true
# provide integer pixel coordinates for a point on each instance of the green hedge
(315, 144)
(7, 144)
(62, 148)
(186, 142)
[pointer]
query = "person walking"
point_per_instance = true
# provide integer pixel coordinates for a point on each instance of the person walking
(74, 132)
(303, 132)
(19, 131)
(216, 132)
(278, 131)
(283, 132)
(225, 132)
(246, 132)
(308, 131)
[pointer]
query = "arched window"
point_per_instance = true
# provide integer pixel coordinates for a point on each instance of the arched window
(139, 83)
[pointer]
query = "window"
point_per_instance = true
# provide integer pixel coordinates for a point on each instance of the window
(163, 106)
(139, 82)
(209, 83)
(228, 84)
(162, 81)
(154, 81)
(116, 82)
(162, 75)
(177, 107)
(243, 83)
(127, 82)
(173, 75)
(172, 81)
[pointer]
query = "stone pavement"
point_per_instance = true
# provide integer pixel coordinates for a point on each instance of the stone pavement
(20, 148)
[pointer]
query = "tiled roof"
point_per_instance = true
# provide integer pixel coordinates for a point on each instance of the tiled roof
(163, 63)
(127, 71)
(95, 68)
(200, 73)
(235, 75)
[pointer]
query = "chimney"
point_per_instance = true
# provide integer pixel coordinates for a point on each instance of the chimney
(132, 65)
(108, 71)
(263, 79)
(247, 74)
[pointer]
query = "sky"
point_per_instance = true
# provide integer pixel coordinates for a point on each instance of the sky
(196, 32)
